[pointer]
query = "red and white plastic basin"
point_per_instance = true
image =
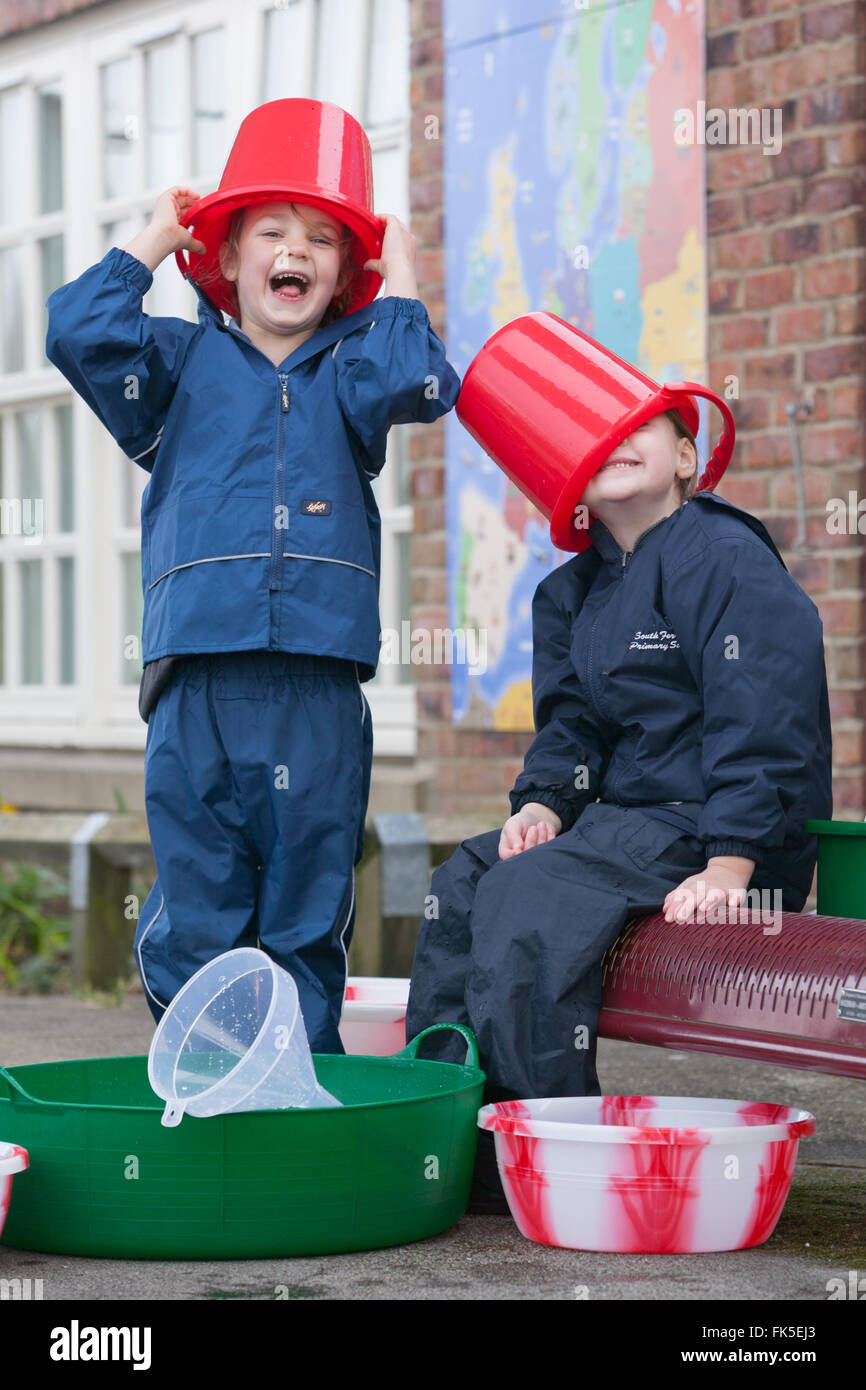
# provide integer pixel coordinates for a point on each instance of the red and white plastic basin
(646, 1174)
(13, 1159)
(373, 1022)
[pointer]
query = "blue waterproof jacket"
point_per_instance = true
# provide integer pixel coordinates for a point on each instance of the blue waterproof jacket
(259, 525)
(687, 677)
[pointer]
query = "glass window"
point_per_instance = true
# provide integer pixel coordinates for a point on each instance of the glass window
(163, 157)
(13, 152)
(132, 614)
(51, 272)
(283, 57)
(66, 618)
(390, 182)
(65, 468)
(388, 62)
(50, 149)
(133, 482)
(208, 102)
(119, 233)
(2, 624)
(29, 431)
(12, 317)
(30, 587)
(119, 128)
(338, 42)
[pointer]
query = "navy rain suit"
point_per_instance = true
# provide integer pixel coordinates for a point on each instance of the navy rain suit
(681, 709)
(260, 566)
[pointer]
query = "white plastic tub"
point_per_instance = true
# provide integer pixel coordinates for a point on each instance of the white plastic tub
(13, 1159)
(646, 1174)
(373, 1023)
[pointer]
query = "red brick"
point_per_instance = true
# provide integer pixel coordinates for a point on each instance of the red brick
(849, 793)
(753, 413)
(775, 201)
(797, 157)
(767, 450)
(743, 332)
(746, 492)
(845, 704)
(842, 359)
(834, 444)
(848, 747)
(816, 483)
(725, 293)
(846, 571)
(739, 166)
(845, 147)
(842, 615)
(849, 399)
(834, 193)
(724, 213)
(723, 50)
(847, 231)
(849, 317)
(822, 24)
(827, 279)
(833, 105)
(740, 250)
(797, 243)
(770, 370)
(721, 13)
(799, 325)
(847, 660)
(774, 36)
(768, 287)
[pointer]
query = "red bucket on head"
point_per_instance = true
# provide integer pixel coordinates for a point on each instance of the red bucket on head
(291, 151)
(550, 405)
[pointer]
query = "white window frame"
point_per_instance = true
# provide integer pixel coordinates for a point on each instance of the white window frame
(99, 710)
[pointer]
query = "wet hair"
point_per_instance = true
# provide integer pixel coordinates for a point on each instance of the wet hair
(687, 486)
(338, 306)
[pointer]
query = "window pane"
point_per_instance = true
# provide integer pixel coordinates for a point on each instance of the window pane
(131, 614)
(162, 117)
(29, 430)
(208, 102)
(283, 58)
(50, 150)
(403, 539)
(30, 573)
(12, 156)
(391, 182)
(51, 270)
(65, 468)
(134, 481)
(119, 233)
(12, 311)
(388, 65)
(66, 616)
(338, 38)
(118, 129)
(2, 624)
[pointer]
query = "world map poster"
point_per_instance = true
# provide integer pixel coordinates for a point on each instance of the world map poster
(566, 191)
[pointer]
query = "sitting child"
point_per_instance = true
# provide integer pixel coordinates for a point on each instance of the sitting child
(683, 737)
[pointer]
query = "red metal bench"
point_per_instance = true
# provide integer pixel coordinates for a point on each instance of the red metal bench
(742, 989)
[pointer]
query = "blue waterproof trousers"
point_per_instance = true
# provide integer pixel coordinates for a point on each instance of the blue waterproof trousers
(257, 775)
(516, 949)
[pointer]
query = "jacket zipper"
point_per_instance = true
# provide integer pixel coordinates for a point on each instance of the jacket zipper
(276, 532)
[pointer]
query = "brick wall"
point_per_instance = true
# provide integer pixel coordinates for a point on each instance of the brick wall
(18, 15)
(787, 316)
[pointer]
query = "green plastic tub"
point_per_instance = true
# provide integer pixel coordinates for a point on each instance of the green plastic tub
(841, 867)
(106, 1177)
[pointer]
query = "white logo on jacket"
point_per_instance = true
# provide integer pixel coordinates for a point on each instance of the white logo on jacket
(660, 640)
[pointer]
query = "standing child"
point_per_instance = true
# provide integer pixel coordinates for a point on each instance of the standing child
(260, 534)
(682, 739)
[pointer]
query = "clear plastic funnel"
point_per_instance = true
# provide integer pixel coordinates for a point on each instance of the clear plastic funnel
(234, 1039)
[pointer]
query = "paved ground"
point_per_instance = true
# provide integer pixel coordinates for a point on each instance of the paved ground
(820, 1235)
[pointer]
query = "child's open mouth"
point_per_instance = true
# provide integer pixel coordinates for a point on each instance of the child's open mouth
(289, 285)
(621, 463)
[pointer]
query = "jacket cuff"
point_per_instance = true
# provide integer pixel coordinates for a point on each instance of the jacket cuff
(565, 807)
(129, 268)
(398, 306)
(739, 847)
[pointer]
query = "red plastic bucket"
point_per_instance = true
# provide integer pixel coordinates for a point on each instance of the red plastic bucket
(294, 150)
(550, 405)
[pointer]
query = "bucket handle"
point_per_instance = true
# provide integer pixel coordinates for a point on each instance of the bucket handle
(721, 455)
(14, 1086)
(472, 1060)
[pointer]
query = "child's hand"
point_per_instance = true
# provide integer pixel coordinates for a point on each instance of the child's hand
(534, 824)
(396, 265)
(165, 222)
(716, 885)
